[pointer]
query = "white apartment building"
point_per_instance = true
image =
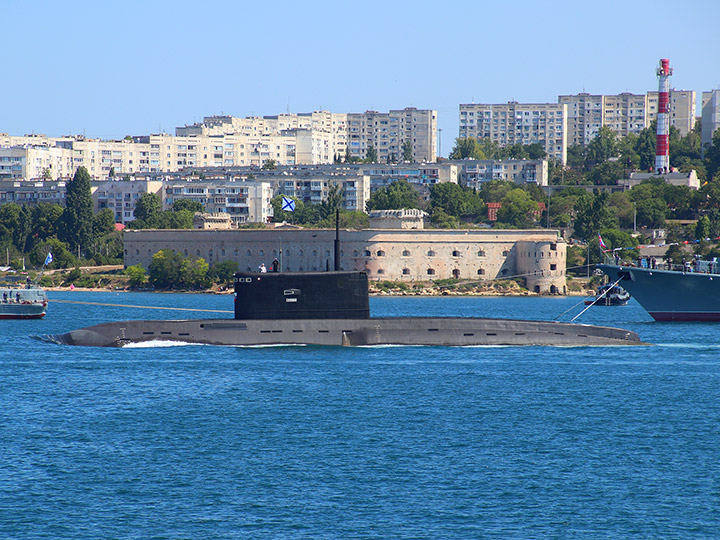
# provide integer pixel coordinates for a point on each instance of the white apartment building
(683, 105)
(518, 123)
(710, 115)
(473, 173)
(35, 162)
(121, 196)
(623, 113)
(245, 202)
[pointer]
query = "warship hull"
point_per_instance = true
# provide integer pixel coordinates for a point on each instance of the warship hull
(444, 331)
(670, 295)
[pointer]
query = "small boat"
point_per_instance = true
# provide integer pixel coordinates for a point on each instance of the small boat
(608, 295)
(29, 302)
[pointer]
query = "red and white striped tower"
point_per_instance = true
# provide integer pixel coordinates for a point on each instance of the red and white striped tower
(662, 142)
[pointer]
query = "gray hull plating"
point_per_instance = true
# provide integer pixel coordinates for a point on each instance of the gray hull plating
(450, 331)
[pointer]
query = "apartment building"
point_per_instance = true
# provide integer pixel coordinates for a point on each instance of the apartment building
(623, 113)
(473, 173)
(518, 123)
(682, 109)
(710, 115)
(35, 162)
(121, 196)
(245, 202)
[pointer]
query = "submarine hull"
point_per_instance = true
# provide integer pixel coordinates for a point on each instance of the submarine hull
(433, 331)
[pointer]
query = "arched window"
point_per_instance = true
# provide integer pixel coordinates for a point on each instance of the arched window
(274, 252)
(222, 252)
(301, 254)
(481, 271)
(380, 271)
(380, 253)
(197, 253)
(137, 252)
(327, 252)
(506, 253)
(262, 253)
(455, 253)
(406, 271)
(355, 253)
(367, 253)
(481, 253)
(431, 253)
(249, 253)
(185, 252)
(456, 273)
(431, 271)
(314, 252)
(406, 253)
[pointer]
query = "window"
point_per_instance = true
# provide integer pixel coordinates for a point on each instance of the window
(367, 253)
(553, 267)
(430, 271)
(406, 271)
(380, 271)
(455, 253)
(553, 247)
(431, 253)
(381, 253)
(355, 253)
(506, 253)
(481, 271)
(406, 253)
(481, 253)
(249, 253)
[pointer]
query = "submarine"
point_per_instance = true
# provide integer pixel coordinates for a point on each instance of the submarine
(333, 308)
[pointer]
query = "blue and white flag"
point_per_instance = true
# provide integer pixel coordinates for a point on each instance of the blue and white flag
(288, 205)
(48, 259)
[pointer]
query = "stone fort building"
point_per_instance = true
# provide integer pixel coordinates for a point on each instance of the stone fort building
(386, 254)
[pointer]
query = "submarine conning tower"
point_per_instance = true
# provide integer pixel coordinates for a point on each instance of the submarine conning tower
(302, 295)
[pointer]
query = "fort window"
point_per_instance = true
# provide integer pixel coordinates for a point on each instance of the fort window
(506, 253)
(406, 271)
(262, 253)
(380, 271)
(553, 247)
(553, 267)
(481, 253)
(314, 252)
(197, 253)
(301, 253)
(455, 253)
(327, 252)
(406, 253)
(274, 253)
(355, 253)
(185, 252)
(367, 253)
(222, 252)
(456, 273)
(503, 272)
(481, 271)
(249, 253)
(431, 253)
(431, 271)
(381, 253)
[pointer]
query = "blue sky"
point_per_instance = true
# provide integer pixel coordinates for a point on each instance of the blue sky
(115, 68)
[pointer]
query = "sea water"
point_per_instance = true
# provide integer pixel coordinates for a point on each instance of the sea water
(204, 442)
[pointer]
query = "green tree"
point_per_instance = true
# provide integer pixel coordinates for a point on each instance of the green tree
(169, 219)
(592, 214)
(62, 258)
(407, 150)
(187, 204)
(194, 273)
(103, 223)
(371, 156)
(164, 270)
(606, 173)
(269, 164)
(77, 219)
(224, 272)
(702, 228)
(137, 276)
(467, 148)
(148, 208)
(454, 200)
(645, 147)
(442, 220)
(395, 196)
(495, 190)
(332, 202)
(602, 147)
(518, 209)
